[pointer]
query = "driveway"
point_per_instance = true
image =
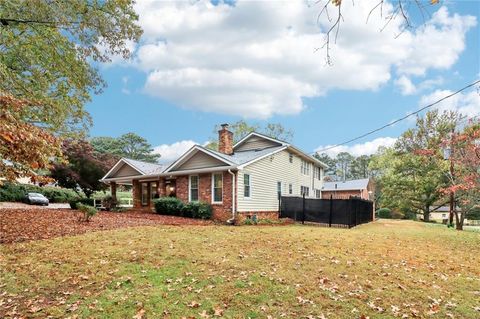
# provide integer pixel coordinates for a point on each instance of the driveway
(10, 205)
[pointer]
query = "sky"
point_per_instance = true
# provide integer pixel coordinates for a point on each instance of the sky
(201, 63)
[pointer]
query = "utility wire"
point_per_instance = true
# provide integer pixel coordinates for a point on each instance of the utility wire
(400, 119)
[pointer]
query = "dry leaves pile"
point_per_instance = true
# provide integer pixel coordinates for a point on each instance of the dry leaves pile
(17, 225)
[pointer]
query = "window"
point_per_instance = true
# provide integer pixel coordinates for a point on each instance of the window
(279, 188)
(317, 193)
(317, 173)
(290, 189)
(290, 158)
(217, 185)
(144, 194)
(193, 188)
(246, 185)
(305, 168)
(304, 190)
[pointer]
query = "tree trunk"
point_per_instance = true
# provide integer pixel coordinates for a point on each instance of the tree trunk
(459, 220)
(426, 214)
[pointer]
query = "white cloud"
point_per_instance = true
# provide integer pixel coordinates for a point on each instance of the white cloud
(125, 89)
(257, 59)
(406, 86)
(467, 104)
(170, 152)
(366, 148)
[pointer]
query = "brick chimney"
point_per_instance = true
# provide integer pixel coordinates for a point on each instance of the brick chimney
(225, 140)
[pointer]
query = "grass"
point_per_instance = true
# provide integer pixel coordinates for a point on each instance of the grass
(120, 194)
(382, 270)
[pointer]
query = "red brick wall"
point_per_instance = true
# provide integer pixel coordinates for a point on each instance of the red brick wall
(137, 193)
(221, 212)
(260, 215)
(342, 194)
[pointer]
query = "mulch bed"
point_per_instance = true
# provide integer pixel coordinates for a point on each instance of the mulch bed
(17, 225)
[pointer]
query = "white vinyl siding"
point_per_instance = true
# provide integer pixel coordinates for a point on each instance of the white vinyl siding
(255, 143)
(217, 188)
(125, 170)
(193, 188)
(200, 160)
(265, 174)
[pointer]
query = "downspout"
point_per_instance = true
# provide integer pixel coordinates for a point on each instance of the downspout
(232, 220)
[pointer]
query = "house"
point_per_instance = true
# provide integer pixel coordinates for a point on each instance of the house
(237, 180)
(363, 188)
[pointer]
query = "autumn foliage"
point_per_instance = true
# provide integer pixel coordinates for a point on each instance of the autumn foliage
(24, 146)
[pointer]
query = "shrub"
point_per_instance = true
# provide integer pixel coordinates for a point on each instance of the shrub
(85, 201)
(204, 211)
(87, 212)
(248, 221)
(109, 202)
(384, 213)
(11, 192)
(169, 206)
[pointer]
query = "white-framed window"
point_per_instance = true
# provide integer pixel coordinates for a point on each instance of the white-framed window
(193, 188)
(317, 173)
(305, 168)
(318, 193)
(217, 188)
(144, 194)
(247, 186)
(304, 190)
(279, 188)
(290, 189)
(290, 158)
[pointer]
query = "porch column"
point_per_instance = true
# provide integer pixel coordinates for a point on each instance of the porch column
(113, 191)
(137, 194)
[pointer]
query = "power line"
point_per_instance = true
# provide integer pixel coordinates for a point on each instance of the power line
(400, 119)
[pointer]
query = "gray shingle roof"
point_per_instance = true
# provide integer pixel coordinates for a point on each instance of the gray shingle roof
(243, 157)
(145, 167)
(347, 185)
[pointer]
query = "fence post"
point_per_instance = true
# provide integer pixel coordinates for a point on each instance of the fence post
(279, 205)
(303, 209)
(331, 209)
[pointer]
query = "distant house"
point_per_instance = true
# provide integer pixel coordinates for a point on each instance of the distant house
(363, 188)
(237, 180)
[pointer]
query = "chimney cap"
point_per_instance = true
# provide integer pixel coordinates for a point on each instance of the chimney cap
(224, 126)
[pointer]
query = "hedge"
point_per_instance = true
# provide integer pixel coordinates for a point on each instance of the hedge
(84, 201)
(10, 192)
(175, 207)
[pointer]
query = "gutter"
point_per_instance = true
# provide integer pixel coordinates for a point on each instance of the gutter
(232, 220)
(175, 173)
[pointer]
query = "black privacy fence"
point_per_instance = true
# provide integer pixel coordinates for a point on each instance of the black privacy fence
(331, 212)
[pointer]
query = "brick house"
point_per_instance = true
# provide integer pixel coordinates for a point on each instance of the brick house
(363, 188)
(237, 180)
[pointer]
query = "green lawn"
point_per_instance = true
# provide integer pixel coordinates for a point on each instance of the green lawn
(382, 270)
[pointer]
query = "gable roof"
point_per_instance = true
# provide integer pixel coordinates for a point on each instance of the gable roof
(355, 184)
(252, 134)
(192, 151)
(143, 168)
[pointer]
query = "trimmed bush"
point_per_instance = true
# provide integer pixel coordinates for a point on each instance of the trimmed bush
(85, 201)
(203, 211)
(109, 202)
(87, 212)
(10, 192)
(169, 206)
(384, 213)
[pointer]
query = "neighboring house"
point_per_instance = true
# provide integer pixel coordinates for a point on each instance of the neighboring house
(439, 214)
(363, 188)
(238, 180)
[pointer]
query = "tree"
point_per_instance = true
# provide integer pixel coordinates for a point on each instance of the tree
(129, 145)
(241, 128)
(465, 180)
(47, 55)
(331, 171)
(390, 9)
(24, 147)
(359, 167)
(84, 168)
(344, 160)
(413, 172)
